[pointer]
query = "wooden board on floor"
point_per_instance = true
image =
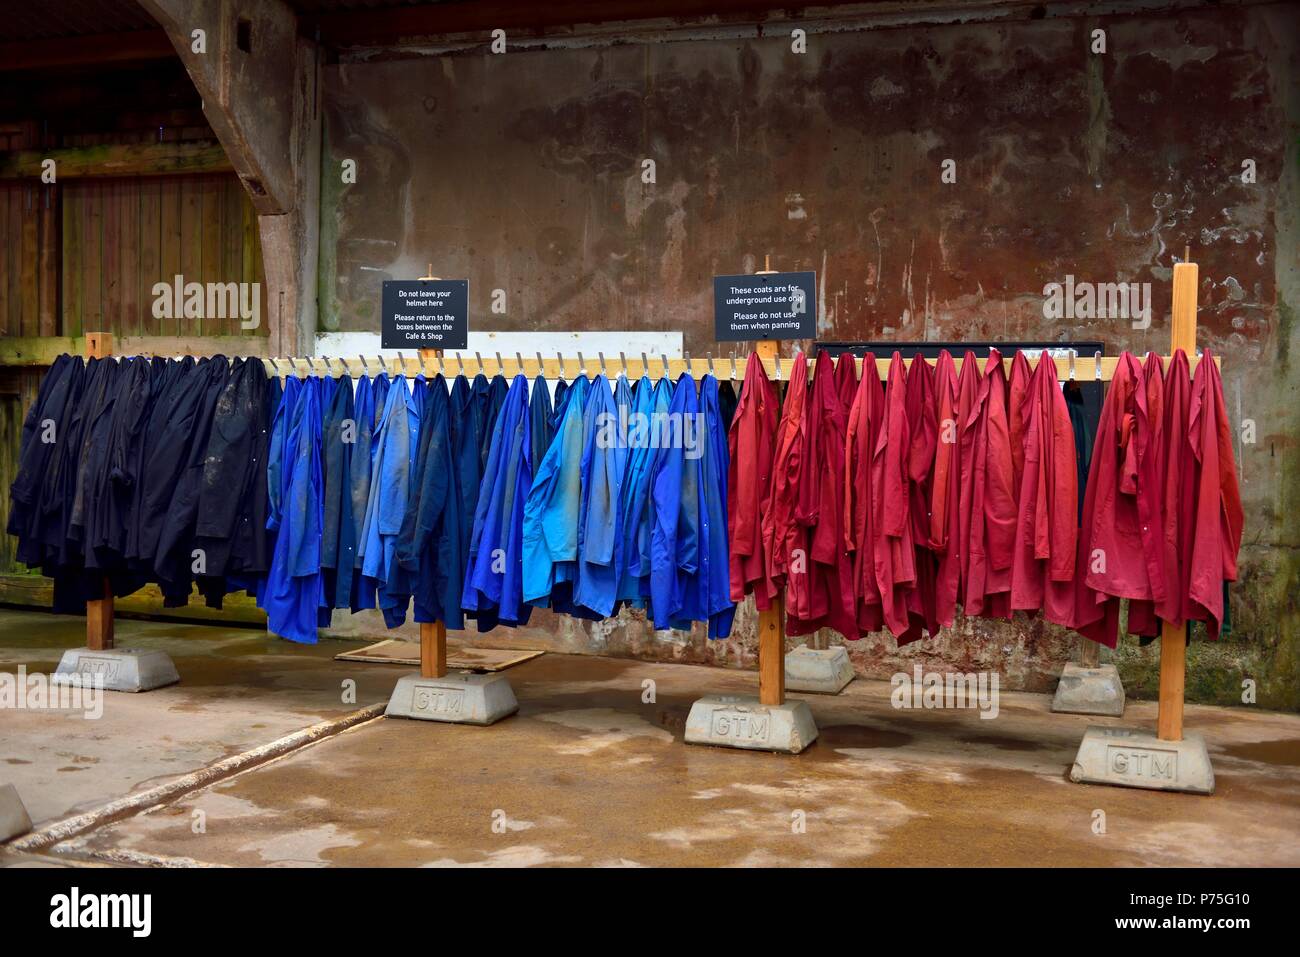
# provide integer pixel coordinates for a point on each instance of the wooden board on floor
(393, 652)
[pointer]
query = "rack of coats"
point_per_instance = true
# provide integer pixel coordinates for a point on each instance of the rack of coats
(869, 505)
(145, 470)
(478, 501)
(862, 504)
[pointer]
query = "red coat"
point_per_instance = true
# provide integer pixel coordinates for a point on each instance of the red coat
(1017, 392)
(1110, 555)
(866, 415)
(751, 442)
(784, 539)
(924, 421)
(991, 508)
(893, 547)
(1046, 539)
(950, 491)
(846, 379)
(822, 593)
(1126, 528)
(1179, 503)
(1216, 538)
(1148, 468)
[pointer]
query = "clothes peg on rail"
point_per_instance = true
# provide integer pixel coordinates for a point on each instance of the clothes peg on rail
(645, 365)
(622, 358)
(664, 358)
(1072, 355)
(479, 359)
(601, 357)
(541, 367)
(520, 359)
(1097, 359)
(582, 364)
(733, 365)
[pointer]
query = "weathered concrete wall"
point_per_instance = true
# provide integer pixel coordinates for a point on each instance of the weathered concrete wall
(523, 171)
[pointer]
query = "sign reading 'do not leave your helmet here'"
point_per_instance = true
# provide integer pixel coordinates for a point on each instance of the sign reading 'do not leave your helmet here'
(779, 305)
(425, 314)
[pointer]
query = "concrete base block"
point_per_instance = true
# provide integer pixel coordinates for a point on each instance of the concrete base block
(819, 670)
(1135, 758)
(739, 721)
(13, 815)
(1090, 691)
(461, 698)
(123, 669)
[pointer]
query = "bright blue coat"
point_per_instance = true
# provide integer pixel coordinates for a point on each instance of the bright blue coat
(554, 499)
(714, 580)
(494, 576)
(649, 400)
(294, 588)
(395, 442)
(604, 466)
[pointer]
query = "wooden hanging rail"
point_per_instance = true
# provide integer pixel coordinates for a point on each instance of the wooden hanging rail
(1086, 368)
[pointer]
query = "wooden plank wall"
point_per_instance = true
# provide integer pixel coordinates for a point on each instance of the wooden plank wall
(122, 236)
(19, 258)
(116, 238)
(17, 392)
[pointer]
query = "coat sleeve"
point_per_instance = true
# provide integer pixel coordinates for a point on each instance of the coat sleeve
(1000, 510)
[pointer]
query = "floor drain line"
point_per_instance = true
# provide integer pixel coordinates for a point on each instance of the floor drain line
(132, 804)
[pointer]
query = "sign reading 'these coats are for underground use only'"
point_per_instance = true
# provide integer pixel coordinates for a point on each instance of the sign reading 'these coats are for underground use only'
(425, 314)
(779, 305)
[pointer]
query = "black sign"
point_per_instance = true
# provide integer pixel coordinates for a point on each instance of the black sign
(781, 305)
(426, 314)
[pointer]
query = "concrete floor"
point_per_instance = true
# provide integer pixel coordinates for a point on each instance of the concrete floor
(589, 774)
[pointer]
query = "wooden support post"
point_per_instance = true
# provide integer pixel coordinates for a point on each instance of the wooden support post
(771, 654)
(1089, 653)
(771, 624)
(433, 649)
(99, 614)
(1173, 638)
(433, 634)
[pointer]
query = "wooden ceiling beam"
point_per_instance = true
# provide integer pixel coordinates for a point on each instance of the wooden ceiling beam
(118, 159)
(372, 27)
